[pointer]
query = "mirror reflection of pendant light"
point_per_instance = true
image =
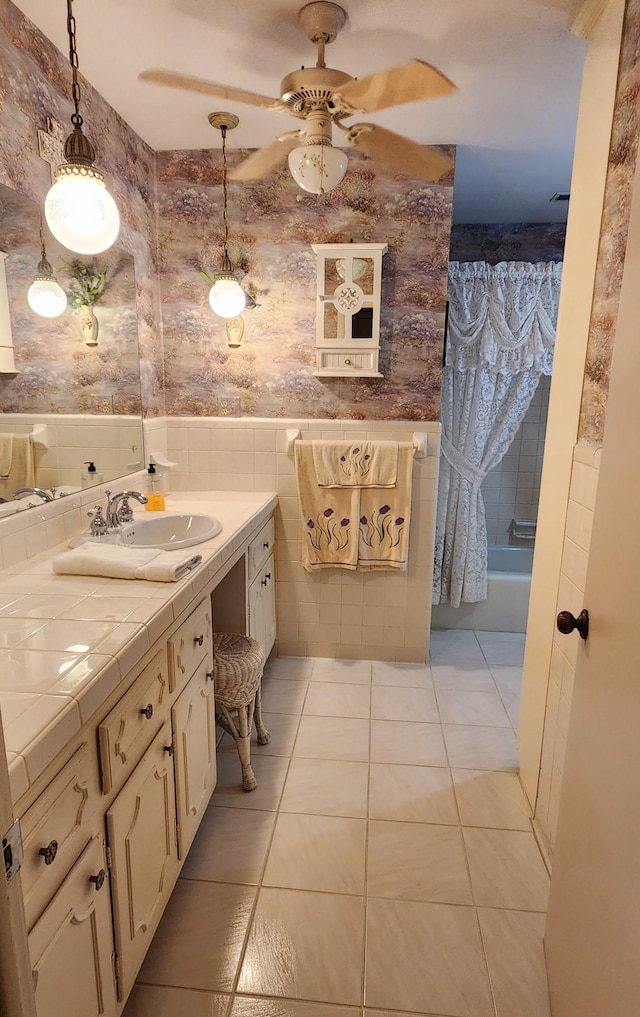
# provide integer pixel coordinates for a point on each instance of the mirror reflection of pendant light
(45, 296)
(317, 166)
(226, 296)
(80, 212)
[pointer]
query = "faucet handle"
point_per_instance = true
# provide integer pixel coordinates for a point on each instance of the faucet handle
(125, 512)
(98, 527)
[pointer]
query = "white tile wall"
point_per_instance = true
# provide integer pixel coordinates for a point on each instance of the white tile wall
(336, 613)
(512, 489)
(582, 494)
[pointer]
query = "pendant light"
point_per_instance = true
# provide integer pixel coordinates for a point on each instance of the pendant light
(45, 296)
(80, 212)
(226, 296)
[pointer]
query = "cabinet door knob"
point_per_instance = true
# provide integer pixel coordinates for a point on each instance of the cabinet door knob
(266, 545)
(49, 853)
(168, 749)
(266, 578)
(209, 674)
(199, 640)
(347, 361)
(567, 623)
(98, 881)
(147, 711)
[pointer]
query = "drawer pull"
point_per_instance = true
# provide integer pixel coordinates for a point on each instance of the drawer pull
(49, 853)
(98, 881)
(147, 711)
(199, 640)
(168, 749)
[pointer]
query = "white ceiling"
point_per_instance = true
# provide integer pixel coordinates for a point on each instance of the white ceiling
(516, 65)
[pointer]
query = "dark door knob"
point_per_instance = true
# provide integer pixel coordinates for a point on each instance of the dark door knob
(567, 623)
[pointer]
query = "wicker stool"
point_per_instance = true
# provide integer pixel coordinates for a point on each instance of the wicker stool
(237, 676)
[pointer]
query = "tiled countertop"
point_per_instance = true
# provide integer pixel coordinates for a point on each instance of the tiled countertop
(67, 641)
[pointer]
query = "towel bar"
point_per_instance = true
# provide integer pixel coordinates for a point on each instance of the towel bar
(419, 440)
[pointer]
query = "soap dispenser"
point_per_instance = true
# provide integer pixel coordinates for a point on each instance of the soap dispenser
(90, 477)
(155, 494)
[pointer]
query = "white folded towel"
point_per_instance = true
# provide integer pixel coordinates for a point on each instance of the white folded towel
(125, 563)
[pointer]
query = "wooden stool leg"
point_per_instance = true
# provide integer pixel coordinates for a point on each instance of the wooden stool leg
(249, 781)
(263, 735)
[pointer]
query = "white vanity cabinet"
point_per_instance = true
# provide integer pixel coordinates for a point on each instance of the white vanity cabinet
(261, 594)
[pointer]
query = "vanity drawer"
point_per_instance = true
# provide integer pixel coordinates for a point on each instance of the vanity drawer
(190, 644)
(129, 729)
(55, 830)
(260, 548)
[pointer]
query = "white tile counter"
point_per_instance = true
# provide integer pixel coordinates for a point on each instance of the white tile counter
(67, 641)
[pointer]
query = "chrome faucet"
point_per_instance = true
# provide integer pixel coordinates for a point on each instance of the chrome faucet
(22, 491)
(116, 515)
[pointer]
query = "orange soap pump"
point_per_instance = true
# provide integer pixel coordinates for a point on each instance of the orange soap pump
(155, 494)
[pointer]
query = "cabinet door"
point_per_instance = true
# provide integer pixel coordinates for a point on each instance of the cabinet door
(195, 753)
(141, 826)
(262, 607)
(71, 945)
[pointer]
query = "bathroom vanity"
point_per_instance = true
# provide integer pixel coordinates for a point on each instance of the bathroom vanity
(110, 792)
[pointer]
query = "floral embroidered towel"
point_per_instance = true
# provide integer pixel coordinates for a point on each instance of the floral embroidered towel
(355, 463)
(351, 527)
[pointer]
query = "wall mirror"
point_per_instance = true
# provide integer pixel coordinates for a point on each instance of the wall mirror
(85, 387)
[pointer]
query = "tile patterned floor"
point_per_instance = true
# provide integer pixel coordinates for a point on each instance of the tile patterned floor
(385, 864)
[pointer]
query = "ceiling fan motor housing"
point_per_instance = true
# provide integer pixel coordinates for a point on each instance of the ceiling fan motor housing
(302, 89)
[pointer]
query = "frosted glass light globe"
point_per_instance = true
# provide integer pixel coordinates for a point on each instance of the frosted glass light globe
(47, 298)
(317, 168)
(227, 298)
(80, 212)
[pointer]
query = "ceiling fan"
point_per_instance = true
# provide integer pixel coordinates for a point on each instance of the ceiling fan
(323, 97)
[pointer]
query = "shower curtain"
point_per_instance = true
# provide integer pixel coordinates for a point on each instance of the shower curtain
(500, 338)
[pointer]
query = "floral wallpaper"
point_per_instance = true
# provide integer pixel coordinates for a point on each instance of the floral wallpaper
(508, 241)
(272, 225)
(35, 84)
(623, 154)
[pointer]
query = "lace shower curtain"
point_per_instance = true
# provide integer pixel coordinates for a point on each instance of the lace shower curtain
(500, 338)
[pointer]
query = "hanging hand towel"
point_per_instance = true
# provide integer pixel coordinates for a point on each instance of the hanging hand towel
(355, 463)
(115, 562)
(384, 519)
(22, 469)
(6, 453)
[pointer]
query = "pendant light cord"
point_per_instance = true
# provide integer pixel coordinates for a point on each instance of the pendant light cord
(44, 253)
(223, 131)
(76, 119)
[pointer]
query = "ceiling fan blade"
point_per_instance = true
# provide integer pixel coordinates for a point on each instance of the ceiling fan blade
(174, 80)
(422, 162)
(410, 82)
(262, 162)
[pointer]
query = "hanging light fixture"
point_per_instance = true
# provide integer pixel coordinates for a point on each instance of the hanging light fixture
(45, 296)
(80, 212)
(226, 296)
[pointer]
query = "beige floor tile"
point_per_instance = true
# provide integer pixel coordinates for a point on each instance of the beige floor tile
(506, 869)
(353, 672)
(491, 798)
(463, 676)
(270, 771)
(511, 702)
(515, 956)
(337, 699)
(282, 696)
(411, 794)
(161, 1001)
(253, 1006)
(502, 647)
(326, 787)
(317, 853)
(199, 940)
(408, 704)
(283, 728)
(455, 646)
(288, 668)
(333, 738)
(507, 677)
(239, 838)
(396, 1013)
(426, 958)
(402, 675)
(466, 707)
(417, 861)
(305, 945)
(481, 748)
(396, 741)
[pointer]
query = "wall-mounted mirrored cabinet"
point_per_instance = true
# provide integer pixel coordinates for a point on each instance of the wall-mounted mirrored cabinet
(349, 281)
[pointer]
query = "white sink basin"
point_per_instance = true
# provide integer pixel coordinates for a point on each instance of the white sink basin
(170, 532)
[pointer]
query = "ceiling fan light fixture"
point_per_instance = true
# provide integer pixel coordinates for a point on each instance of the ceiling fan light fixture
(79, 210)
(318, 168)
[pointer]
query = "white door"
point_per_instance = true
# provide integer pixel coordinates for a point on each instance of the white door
(593, 929)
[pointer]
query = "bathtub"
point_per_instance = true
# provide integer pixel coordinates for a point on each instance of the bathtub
(506, 607)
